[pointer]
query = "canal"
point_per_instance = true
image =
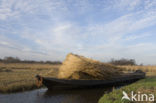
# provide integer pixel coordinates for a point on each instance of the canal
(59, 96)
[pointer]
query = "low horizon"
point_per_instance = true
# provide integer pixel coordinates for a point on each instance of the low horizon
(131, 61)
(101, 30)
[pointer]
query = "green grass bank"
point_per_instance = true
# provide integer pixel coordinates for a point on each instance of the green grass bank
(144, 86)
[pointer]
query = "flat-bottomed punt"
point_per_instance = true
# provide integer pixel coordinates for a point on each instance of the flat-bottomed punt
(54, 83)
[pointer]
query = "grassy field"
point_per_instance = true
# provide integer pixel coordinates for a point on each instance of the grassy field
(21, 76)
(145, 86)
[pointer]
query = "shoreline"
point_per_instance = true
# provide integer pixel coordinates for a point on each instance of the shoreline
(146, 85)
(19, 77)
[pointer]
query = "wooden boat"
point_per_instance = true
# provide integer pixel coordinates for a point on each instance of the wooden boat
(54, 83)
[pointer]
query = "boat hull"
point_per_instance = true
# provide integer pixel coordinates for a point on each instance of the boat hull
(53, 83)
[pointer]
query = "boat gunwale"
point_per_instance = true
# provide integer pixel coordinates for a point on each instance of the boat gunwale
(123, 78)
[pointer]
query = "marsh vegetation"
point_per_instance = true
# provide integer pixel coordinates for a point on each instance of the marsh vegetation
(145, 86)
(21, 76)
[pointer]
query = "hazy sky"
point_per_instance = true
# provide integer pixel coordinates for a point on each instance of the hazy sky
(100, 29)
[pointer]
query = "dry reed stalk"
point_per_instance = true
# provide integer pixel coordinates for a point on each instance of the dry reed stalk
(79, 67)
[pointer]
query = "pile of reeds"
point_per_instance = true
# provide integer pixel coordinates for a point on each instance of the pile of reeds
(79, 67)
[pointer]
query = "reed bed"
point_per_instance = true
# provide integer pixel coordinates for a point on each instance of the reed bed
(21, 76)
(143, 68)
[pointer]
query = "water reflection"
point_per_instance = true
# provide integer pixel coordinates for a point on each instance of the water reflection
(59, 96)
(77, 96)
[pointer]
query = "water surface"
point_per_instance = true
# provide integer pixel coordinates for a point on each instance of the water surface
(61, 96)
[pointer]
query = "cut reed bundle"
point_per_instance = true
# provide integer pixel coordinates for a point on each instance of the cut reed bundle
(79, 67)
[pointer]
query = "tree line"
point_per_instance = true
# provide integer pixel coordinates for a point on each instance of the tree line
(10, 59)
(123, 61)
(18, 60)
